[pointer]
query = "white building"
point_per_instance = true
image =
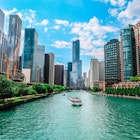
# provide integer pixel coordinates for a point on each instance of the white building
(51, 68)
(102, 71)
(94, 71)
(27, 74)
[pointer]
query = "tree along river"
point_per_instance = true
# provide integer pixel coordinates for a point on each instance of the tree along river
(54, 118)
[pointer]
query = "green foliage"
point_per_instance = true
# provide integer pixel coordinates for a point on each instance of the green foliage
(124, 91)
(22, 92)
(134, 78)
(5, 87)
(31, 91)
(59, 88)
(94, 89)
(19, 89)
(49, 88)
(40, 88)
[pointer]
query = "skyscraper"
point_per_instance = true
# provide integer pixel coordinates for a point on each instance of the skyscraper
(65, 76)
(76, 51)
(1, 20)
(76, 73)
(14, 34)
(136, 29)
(3, 44)
(30, 51)
(49, 68)
(40, 60)
(112, 62)
(128, 52)
(68, 75)
(59, 75)
(102, 71)
(94, 71)
(46, 68)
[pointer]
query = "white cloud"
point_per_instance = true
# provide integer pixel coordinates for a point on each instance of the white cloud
(113, 12)
(114, 2)
(58, 63)
(7, 13)
(56, 27)
(94, 52)
(92, 36)
(61, 22)
(44, 22)
(61, 44)
(131, 14)
(45, 29)
(29, 16)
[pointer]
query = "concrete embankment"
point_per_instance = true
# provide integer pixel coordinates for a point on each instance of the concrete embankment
(12, 102)
(114, 95)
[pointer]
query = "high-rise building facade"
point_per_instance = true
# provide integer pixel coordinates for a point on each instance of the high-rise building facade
(30, 51)
(65, 76)
(102, 71)
(59, 75)
(76, 73)
(112, 62)
(94, 71)
(69, 71)
(46, 69)
(128, 53)
(2, 20)
(51, 68)
(14, 35)
(40, 60)
(136, 29)
(3, 44)
(75, 51)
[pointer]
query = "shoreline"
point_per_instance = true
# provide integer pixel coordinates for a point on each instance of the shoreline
(10, 102)
(119, 96)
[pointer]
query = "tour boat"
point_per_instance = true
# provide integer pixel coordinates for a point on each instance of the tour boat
(75, 101)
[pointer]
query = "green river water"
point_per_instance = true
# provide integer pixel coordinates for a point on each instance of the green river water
(54, 118)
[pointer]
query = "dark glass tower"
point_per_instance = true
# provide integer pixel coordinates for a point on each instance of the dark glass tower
(68, 74)
(46, 68)
(30, 49)
(75, 51)
(59, 75)
(127, 43)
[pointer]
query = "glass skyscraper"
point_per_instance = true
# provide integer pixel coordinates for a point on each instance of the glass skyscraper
(76, 51)
(76, 73)
(1, 20)
(3, 44)
(40, 60)
(68, 75)
(30, 51)
(127, 39)
(15, 25)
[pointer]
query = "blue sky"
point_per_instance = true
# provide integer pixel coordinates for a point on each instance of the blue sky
(59, 22)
